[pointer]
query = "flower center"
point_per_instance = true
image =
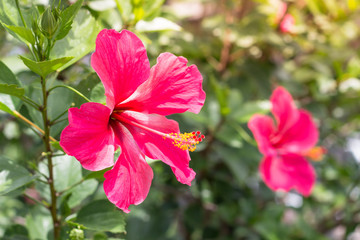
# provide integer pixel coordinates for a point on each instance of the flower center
(184, 141)
(316, 153)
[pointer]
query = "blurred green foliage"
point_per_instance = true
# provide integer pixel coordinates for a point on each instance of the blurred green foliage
(242, 54)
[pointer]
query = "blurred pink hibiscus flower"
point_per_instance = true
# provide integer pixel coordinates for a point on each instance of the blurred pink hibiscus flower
(285, 20)
(285, 144)
(287, 25)
(137, 100)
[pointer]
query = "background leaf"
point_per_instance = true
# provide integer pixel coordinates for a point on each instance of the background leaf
(24, 34)
(67, 16)
(12, 90)
(39, 223)
(5, 108)
(12, 176)
(111, 218)
(44, 68)
(80, 40)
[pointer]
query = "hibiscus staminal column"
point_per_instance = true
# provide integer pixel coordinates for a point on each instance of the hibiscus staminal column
(184, 141)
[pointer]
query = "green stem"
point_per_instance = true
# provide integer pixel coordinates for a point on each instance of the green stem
(72, 186)
(42, 203)
(21, 16)
(121, 11)
(243, 134)
(58, 154)
(72, 89)
(55, 119)
(53, 210)
(30, 102)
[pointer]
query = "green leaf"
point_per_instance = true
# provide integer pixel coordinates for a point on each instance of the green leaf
(80, 40)
(125, 9)
(44, 68)
(12, 90)
(99, 175)
(5, 108)
(101, 215)
(24, 34)
(85, 86)
(7, 76)
(9, 13)
(16, 231)
(8, 104)
(81, 191)
(243, 113)
(152, 8)
(98, 93)
(67, 172)
(12, 176)
(67, 18)
(222, 94)
(57, 146)
(39, 223)
(138, 12)
(229, 136)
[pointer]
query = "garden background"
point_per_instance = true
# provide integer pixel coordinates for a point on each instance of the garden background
(243, 53)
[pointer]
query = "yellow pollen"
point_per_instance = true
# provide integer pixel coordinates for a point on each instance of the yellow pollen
(185, 141)
(316, 153)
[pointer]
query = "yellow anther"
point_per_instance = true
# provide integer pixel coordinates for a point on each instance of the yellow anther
(185, 141)
(316, 153)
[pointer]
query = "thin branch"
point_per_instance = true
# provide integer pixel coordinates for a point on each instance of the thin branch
(72, 89)
(42, 203)
(19, 10)
(30, 102)
(55, 119)
(72, 186)
(32, 124)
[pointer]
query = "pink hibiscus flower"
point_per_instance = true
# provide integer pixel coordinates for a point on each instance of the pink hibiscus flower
(285, 144)
(287, 24)
(285, 20)
(137, 100)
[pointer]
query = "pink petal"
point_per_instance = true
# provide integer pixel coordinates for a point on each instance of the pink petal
(301, 137)
(121, 62)
(173, 87)
(156, 147)
(284, 109)
(130, 179)
(263, 128)
(287, 24)
(281, 10)
(288, 171)
(89, 137)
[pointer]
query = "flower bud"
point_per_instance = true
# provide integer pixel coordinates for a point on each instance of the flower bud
(49, 23)
(76, 234)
